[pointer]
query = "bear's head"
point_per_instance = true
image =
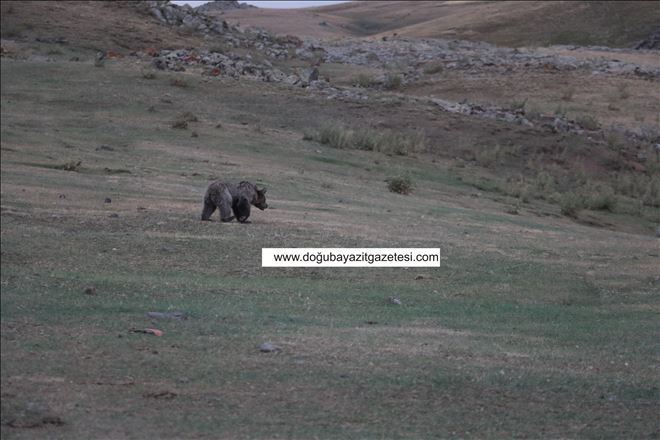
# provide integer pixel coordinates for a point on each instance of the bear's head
(260, 201)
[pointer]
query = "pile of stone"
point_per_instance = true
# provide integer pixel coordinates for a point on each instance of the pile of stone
(471, 57)
(195, 20)
(218, 64)
(184, 17)
(223, 5)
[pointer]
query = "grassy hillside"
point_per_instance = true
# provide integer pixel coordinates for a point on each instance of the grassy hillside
(537, 324)
(526, 23)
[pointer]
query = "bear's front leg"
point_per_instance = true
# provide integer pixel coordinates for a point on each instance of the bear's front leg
(209, 209)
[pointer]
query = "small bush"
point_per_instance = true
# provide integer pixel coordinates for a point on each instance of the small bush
(587, 122)
(188, 117)
(179, 82)
(147, 74)
(384, 141)
(335, 136)
(545, 183)
(519, 105)
(433, 67)
(568, 94)
(600, 198)
(392, 82)
(182, 120)
(488, 156)
(651, 196)
(180, 124)
(571, 204)
(365, 81)
(399, 185)
(368, 140)
(622, 91)
(73, 165)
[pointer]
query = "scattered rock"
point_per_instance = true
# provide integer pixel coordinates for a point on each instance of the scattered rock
(114, 215)
(107, 200)
(395, 301)
(267, 347)
(167, 315)
(149, 331)
(90, 290)
(650, 42)
(166, 395)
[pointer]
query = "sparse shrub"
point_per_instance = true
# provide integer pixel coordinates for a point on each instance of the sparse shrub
(219, 48)
(518, 105)
(488, 156)
(188, 117)
(392, 82)
(567, 95)
(587, 122)
(179, 82)
(180, 124)
(54, 52)
(399, 185)
(366, 140)
(560, 111)
(651, 196)
(545, 183)
(335, 136)
(532, 113)
(148, 74)
(571, 204)
(73, 165)
(622, 91)
(600, 198)
(365, 81)
(182, 120)
(433, 67)
(384, 141)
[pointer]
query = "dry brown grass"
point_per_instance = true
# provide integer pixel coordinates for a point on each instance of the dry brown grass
(505, 23)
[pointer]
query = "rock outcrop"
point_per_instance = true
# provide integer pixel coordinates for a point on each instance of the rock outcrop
(223, 5)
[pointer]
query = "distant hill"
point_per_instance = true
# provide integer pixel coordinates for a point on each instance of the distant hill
(511, 23)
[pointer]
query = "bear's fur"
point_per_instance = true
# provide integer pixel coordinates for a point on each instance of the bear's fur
(229, 198)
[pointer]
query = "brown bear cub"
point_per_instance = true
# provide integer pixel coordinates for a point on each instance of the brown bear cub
(229, 198)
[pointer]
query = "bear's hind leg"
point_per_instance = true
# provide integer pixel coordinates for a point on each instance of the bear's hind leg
(225, 211)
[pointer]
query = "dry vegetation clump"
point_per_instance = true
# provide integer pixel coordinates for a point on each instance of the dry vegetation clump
(433, 67)
(567, 95)
(179, 82)
(182, 120)
(399, 184)
(392, 82)
(73, 165)
(571, 204)
(364, 81)
(384, 141)
(587, 122)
